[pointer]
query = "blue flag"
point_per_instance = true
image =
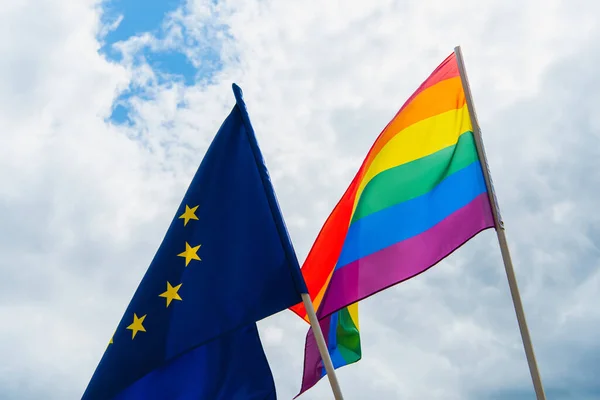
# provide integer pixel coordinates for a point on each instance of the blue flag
(226, 262)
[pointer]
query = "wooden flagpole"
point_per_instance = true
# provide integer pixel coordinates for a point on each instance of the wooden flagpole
(499, 225)
(316, 327)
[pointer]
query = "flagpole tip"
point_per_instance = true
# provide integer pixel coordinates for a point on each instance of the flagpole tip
(237, 92)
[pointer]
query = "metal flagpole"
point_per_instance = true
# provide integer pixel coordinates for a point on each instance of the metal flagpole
(499, 225)
(314, 323)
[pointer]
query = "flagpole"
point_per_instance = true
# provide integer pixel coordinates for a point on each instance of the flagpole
(287, 244)
(320, 339)
(499, 225)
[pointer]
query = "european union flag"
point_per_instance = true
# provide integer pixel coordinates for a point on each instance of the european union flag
(226, 262)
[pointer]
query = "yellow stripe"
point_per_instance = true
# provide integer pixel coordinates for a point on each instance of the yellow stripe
(319, 297)
(353, 311)
(416, 141)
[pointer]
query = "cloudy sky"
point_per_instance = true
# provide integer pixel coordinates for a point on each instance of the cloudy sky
(106, 109)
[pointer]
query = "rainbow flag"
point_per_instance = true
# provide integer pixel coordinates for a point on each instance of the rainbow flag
(418, 196)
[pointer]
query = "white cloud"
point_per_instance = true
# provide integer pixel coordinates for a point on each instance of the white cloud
(84, 204)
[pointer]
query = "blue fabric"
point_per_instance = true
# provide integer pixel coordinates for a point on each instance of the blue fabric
(231, 367)
(247, 271)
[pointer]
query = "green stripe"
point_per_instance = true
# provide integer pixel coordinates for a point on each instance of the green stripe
(348, 337)
(413, 179)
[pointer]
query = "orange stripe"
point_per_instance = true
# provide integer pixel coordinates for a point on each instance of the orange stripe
(448, 69)
(422, 130)
(427, 100)
(434, 100)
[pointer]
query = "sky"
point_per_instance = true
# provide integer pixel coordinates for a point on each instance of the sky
(106, 110)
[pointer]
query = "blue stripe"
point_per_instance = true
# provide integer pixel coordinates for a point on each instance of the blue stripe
(332, 345)
(410, 218)
(331, 340)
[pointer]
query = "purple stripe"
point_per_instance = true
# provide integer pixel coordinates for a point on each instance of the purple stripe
(403, 260)
(313, 364)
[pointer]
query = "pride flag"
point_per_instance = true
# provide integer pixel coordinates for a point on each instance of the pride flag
(418, 196)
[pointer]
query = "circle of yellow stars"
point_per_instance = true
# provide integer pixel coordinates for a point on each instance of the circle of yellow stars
(190, 253)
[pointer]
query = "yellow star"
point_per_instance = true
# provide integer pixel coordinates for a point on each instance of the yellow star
(137, 326)
(171, 293)
(188, 214)
(190, 253)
